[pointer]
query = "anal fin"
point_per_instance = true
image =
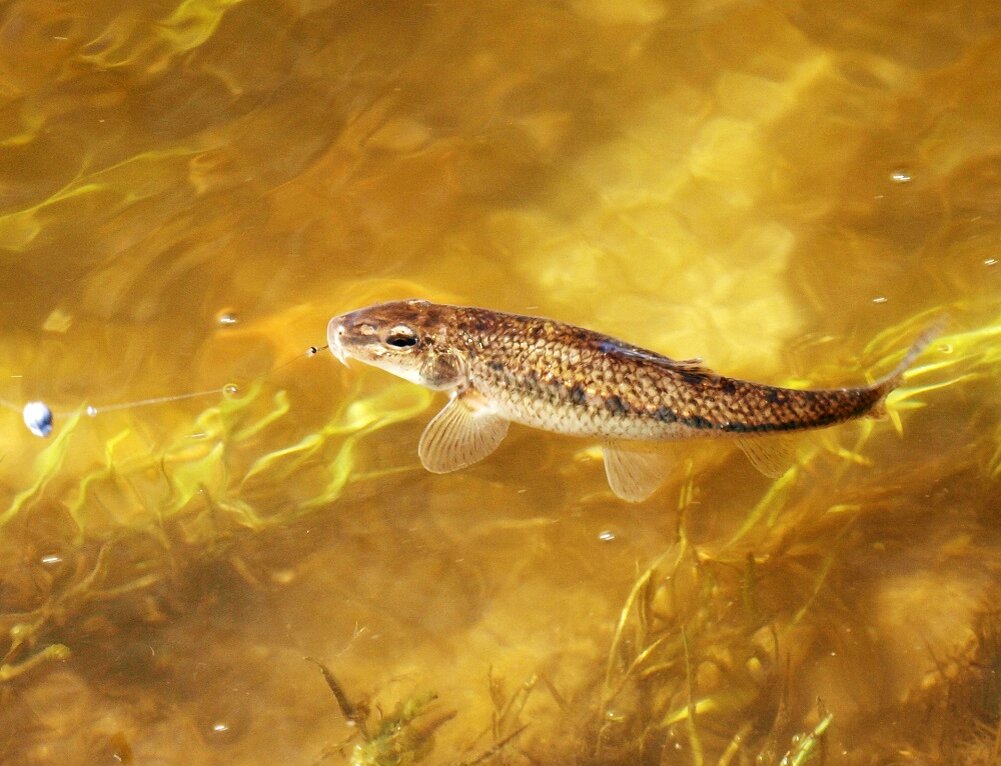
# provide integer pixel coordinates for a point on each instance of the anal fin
(772, 455)
(634, 472)
(463, 433)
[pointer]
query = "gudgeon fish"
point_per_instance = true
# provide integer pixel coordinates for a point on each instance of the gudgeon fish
(501, 368)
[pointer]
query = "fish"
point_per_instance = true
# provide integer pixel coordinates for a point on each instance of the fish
(500, 368)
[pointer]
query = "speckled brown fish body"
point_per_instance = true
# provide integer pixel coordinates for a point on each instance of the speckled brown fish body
(563, 378)
(546, 374)
(558, 377)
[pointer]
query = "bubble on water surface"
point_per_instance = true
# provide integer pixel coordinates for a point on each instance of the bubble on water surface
(38, 418)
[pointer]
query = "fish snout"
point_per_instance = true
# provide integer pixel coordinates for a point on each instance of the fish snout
(335, 336)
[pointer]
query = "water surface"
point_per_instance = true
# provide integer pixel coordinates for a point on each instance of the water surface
(189, 190)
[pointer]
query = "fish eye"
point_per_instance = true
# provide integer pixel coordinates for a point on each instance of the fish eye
(401, 336)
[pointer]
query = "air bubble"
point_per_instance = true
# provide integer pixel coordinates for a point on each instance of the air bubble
(606, 536)
(91, 410)
(880, 299)
(222, 730)
(38, 418)
(312, 351)
(230, 390)
(227, 318)
(900, 176)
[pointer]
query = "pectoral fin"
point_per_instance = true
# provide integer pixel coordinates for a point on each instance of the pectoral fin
(772, 455)
(463, 433)
(634, 472)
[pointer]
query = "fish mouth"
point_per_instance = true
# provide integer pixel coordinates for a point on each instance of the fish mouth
(335, 331)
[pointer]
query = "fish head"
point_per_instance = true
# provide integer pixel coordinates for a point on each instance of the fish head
(406, 338)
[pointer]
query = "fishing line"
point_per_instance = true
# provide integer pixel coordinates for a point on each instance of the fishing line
(40, 419)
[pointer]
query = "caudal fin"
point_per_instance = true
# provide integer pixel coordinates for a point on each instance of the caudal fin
(889, 382)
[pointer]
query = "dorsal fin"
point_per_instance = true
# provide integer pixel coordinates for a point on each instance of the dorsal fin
(690, 365)
(618, 348)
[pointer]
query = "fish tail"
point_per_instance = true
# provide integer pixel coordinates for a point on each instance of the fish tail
(888, 382)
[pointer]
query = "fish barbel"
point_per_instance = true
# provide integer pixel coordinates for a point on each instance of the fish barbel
(502, 368)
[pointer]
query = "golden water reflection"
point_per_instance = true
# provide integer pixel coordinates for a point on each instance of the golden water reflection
(189, 191)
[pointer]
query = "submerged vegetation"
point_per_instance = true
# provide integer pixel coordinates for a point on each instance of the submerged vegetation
(711, 658)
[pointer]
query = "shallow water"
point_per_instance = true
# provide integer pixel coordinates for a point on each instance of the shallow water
(189, 191)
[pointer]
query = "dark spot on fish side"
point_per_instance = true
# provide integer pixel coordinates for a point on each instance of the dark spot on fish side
(736, 428)
(699, 422)
(577, 394)
(665, 415)
(776, 396)
(495, 366)
(728, 386)
(616, 406)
